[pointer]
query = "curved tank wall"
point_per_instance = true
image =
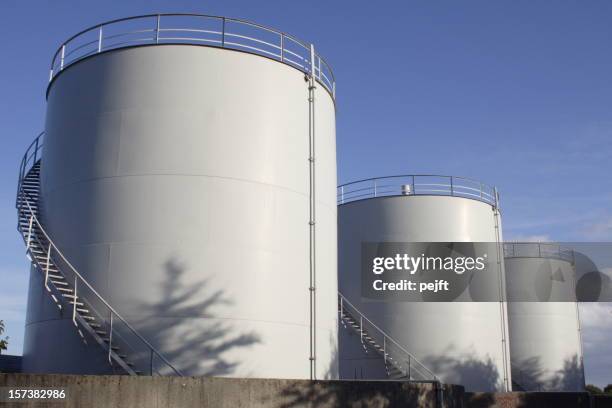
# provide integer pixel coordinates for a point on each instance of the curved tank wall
(545, 345)
(176, 179)
(461, 342)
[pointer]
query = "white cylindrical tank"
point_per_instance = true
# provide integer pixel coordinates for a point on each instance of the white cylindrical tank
(176, 178)
(544, 325)
(461, 342)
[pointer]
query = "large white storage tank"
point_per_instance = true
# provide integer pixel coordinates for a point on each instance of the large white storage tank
(461, 342)
(544, 324)
(176, 178)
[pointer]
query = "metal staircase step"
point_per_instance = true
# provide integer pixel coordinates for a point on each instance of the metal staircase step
(392, 368)
(65, 290)
(114, 348)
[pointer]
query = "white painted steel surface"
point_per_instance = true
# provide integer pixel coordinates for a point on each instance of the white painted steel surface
(545, 349)
(175, 178)
(461, 342)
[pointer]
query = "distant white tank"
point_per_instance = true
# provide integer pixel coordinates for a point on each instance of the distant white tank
(544, 324)
(461, 342)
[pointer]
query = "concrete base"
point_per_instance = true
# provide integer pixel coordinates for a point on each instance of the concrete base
(162, 392)
(209, 392)
(535, 400)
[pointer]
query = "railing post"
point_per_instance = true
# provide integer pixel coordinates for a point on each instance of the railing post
(413, 186)
(341, 307)
(361, 328)
(451, 186)
(17, 197)
(157, 29)
(74, 302)
(312, 62)
(47, 269)
(319, 67)
(30, 232)
(409, 373)
(110, 338)
(494, 196)
(100, 40)
(375, 188)
(223, 33)
(35, 151)
(385, 349)
(282, 47)
(62, 56)
(151, 363)
(481, 188)
(342, 194)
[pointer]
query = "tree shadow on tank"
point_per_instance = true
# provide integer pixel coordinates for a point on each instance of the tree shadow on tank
(528, 375)
(570, 377)
(196, 347)
(564, 389)
(532, 391)
(344, 393)
(473, 373)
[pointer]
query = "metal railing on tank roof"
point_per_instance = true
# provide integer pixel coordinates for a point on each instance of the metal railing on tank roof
(417, 184)
(195, 29)
(538, 250)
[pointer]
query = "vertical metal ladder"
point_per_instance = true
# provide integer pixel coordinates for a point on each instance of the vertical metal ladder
(94, 319)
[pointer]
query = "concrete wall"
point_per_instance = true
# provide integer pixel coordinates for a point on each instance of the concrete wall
(190, 392)
(534, 400)
(176, 179)
(167, 392)
(435, 333)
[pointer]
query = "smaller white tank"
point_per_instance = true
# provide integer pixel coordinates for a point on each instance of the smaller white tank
(543, 319)
(461, 342)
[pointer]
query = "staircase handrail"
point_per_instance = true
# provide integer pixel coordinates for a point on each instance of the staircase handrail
(82, 280)
(388, 339)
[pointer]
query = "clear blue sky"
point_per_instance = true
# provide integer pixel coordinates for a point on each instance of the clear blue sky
(516, 94)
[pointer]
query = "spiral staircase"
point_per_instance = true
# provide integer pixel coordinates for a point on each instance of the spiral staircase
(95, 321)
